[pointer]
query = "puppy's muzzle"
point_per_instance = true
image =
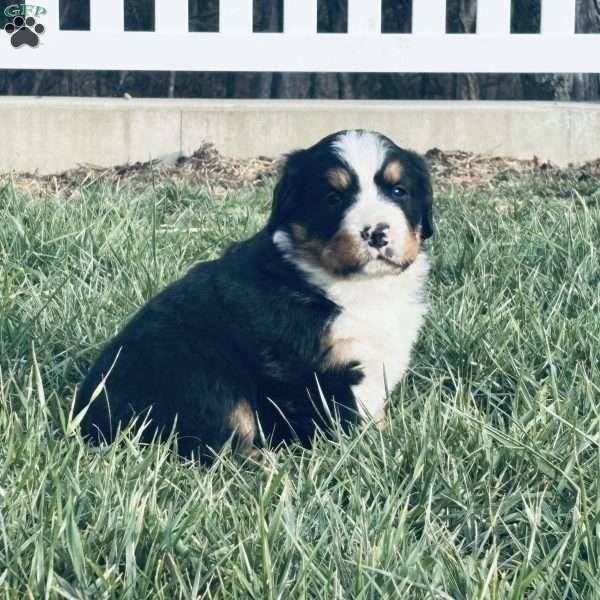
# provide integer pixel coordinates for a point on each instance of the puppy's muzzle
(377, 237)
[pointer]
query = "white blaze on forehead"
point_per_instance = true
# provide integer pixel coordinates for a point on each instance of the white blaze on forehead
(365, 153)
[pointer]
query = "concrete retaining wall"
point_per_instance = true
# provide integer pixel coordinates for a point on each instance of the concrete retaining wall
(49, 135)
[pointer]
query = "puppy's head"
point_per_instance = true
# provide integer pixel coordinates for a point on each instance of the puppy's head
(353, 203)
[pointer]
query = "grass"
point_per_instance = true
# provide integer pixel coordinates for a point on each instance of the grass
(483, 484)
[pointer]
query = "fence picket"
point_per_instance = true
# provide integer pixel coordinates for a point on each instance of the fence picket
(52, 17)
(558, 16)
(107, 16)
(171, 16)
(429, 17)
(364, 17)
(300, 16)
(235, 16)
(493, 17)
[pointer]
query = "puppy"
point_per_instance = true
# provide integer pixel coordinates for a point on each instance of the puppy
(312, 319)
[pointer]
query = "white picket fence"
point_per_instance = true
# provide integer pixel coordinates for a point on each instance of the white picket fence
(171, 47)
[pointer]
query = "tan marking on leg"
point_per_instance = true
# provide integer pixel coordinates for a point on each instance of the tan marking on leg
(243, 422)
(379, 419)
(338, 352)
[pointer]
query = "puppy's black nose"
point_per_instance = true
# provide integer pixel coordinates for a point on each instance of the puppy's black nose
(379, 236)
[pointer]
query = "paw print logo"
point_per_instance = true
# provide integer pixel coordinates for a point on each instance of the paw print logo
(24, 31)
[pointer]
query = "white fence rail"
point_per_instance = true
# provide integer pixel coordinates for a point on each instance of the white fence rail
(235, 47)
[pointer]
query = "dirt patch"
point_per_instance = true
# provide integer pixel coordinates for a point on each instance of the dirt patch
(465, 170)
(206, 167)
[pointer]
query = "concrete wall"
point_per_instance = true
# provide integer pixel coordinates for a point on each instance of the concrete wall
(49, 135)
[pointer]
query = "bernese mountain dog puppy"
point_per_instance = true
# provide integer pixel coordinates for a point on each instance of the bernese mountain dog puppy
(308, 324)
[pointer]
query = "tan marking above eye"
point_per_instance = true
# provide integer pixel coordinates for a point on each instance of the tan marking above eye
(393, 172)
(338, 178)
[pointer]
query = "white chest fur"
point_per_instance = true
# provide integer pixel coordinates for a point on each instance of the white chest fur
(378, 326)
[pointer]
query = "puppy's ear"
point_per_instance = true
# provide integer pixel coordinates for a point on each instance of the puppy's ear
(427, 213)
(287, 189)
(425, 195)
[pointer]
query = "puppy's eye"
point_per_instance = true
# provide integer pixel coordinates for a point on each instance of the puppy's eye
(333, 198)
(399, 192)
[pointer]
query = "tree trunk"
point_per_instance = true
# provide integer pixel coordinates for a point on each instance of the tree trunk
(172, 80)
(586, 86)
(588, 16)
(468, 85)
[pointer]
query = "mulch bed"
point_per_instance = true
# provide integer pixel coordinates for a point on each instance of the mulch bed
(206, 167)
